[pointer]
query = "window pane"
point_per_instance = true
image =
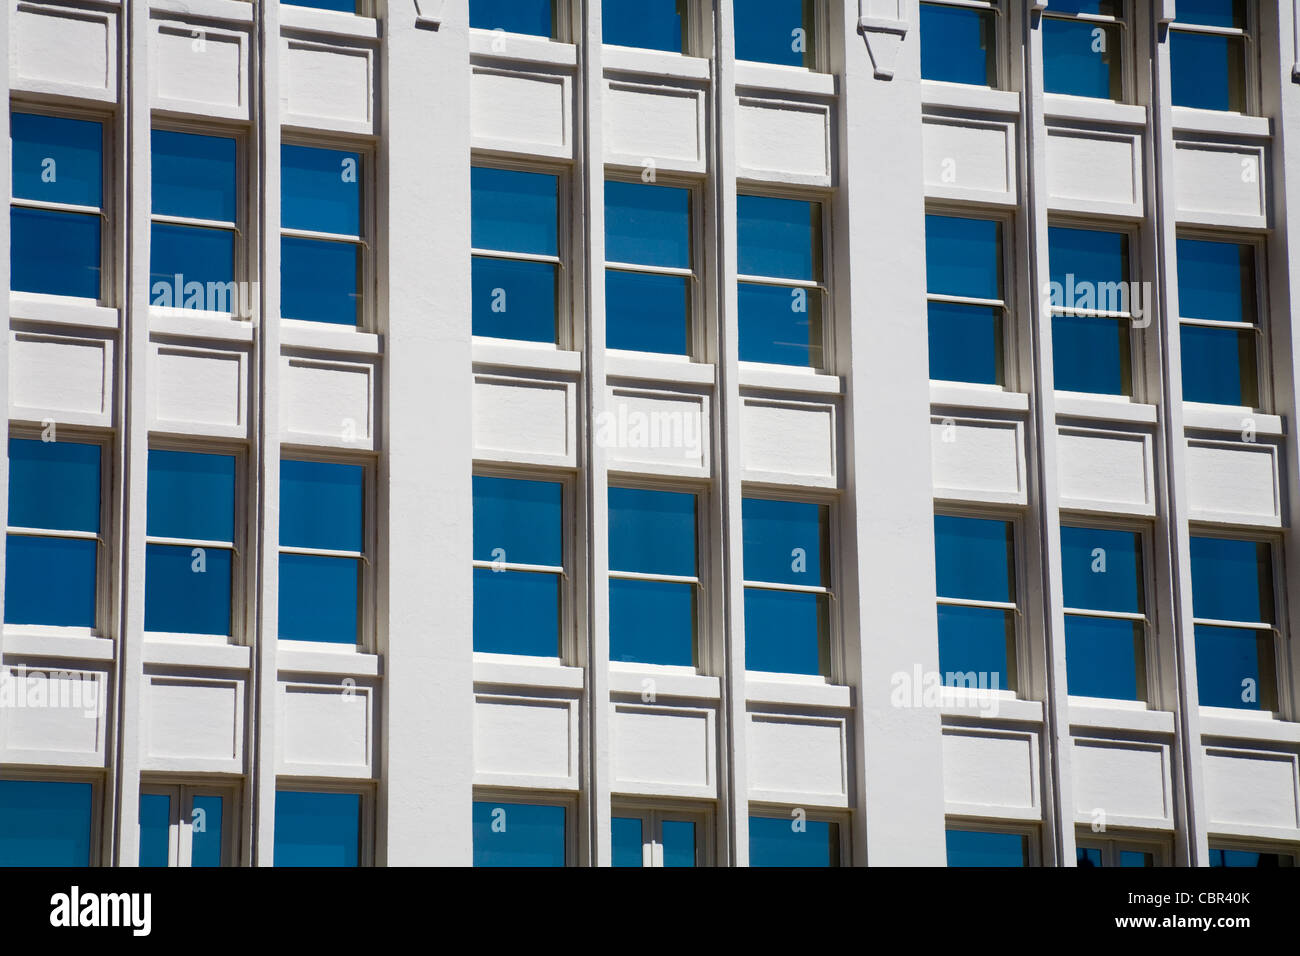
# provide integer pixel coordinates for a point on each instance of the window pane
(774, 31)
(1135, 858)
(977, 647)
(965, 343)
(56, 159)
(626, 835)
(50, 581)
(779, 841)
(185, 592)
(647, 225)
(319, 280)
(320, 189)
(44, 823)
(319, 598)
(1235, 668)
(1216, 280)
(647, 313)
(193, 176)
(514, 16)
(784, 541)
(1103, 8)
(321, 505)
(652, 622)
(963, 257)
(155, 829)
(343, 6)
(1236, 858)
(74, 271)
(1208, 72)
(1219, 366)
(514, 211)
(1091, 354)
(1213, 13)
(1087, 856)
(981, 848)
(317, 829)
(191, 268)
(519, 834)
(1082, 258)
(1232, 580)
(191, 495)
(53, 485)
(1102, 569)
(1082, 58)
(786, 632)
(516, 612)
(649, 24)
(518, 521)
(1105, 657)
(652, 532)
(779, 238)
(975, 558)
(779, 325)
(205, 831)
(679, 843)
(514, 300)
(957, 45)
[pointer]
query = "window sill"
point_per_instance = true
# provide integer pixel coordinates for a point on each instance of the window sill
(60, 310)
(1095, 713)
(215, 9)
(968, 97)
(789, 378)
(522, 46)
(1189, 120)
(1230, 418)
(329, 21)
(1229, 724)
(186, 654)
(528, 355)
(983, 397)
(762, 687)
(677, 66)
(631, 679)
(308, 657)
(324, 337)
(774, 78)
(61, 642)
(1104, 408)
(508, 670)
(195, 324)
(674, 369)
(1058, 106)
(989, 705)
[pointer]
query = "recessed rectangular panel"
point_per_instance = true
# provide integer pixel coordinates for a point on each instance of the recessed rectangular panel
(328, 399)
(520, 736)
(52, 710)
(199, 386)
(651, 122)
(326, 725)
(983, 456)
(198, 719)
(789, 438)
(1111, 468)
(961, 155)
(530, 109)
(982, 768)
(1234, 478)
(650, 428)
(797, 755)
(65, 45)
(56, 373)
(663, 745)
(1121, 778)
(1252, 788)
(522, 416)
(1092, 168)
(783, 137)
(328, 82)
(195, 63)
(1219, 180)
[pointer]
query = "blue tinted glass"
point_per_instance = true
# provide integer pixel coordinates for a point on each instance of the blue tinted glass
(652, 622)
(155, 829)
(516, 612)
(775, 841)
(514, 16)
(191, 495)
(518, 521)
(1105, 8)
(1101, 657)
(647, 225)
(514, 300)
(649, 24)
(974, 558)
(317, 829)
(205, 830)
(321, 505)
(626, 835)
(780, 326)
(189, 267)
(779, 238)
(513, 211)
(647, 313)
(185, 593)
(1213, 13)
(318, 598)
(785, 631)
(193, 176)
(43, 823)
(1081, 58)
(1235, 858)
(1090, 354)
(1207, 72)
(57, 159)
(343, 6)
(1219, 366)
(1102, 569)
(784, 541)
(33, 266)
(50, 581)
(963, 257)
(319, 280)
(1134, 858)
(518, 834)
(53, 485)
(1234, 667)
(1232, 580)
(1216, 280)
(957, 45)
(965, 343)
(1086, 257)
(651, 531)
(320, 190)
(1087, 856)
(679, 843)
(975, 646)
(773, 31)
(980, 848)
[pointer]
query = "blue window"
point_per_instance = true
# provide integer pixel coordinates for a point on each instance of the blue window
(1249, 858)
(1111, 853)
(787, 586)
(515, 235)
(958, 43)
(1207, 63)
(653, 838)
(1219, 322)
(793, 842)
(520, 834)
(518, 565)
(648, 24)
(190, 542)
(45, 823)
(975, 566)
(1082, 48)
(1234, 614)
(322, 551)
(52, 548)
(342, 6)
(780, 290)
(58, 199)
(317, 829)
(321, 242)
(1092, 304)
(963, 268)
(195, 222)
(533, 17)
(776, 31)
(156, 829)
(182, 826)
(653, 577)
(1105, 617)
(648, 275)
(987, 848)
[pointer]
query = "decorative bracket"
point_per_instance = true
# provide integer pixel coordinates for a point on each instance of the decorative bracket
(884, 36)
(431, 20)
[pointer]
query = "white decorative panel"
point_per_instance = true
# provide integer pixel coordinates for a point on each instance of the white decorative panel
(657, 747)
(963, 155)
(1252, 788)
(798, 755)
(530, 109)
(978, 458)
(783, 137)
(60, 374)
(202, 66)
(642, 428)
(333, 400)
(52, 712)
(199, 386)
(1122, 778)
(789, 438)
(327, 83)
(990, 768)
(194, 718)
(1093, 168)
(1240, 479)
(654, 122)
(523, 416)
(1220, 180)
(64, 46)
(525, 736)
(326, 725)
(1106, 469)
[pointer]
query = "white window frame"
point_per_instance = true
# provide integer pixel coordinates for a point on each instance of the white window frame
(1033, 847)
(1123, 42)
(539, 798)
(843, 835)
(653, 816)
(365, 823)
(98, 823)
(1112, 846)
(180, 843)
(1288, 852)
(1250, 66)
(1000, 45)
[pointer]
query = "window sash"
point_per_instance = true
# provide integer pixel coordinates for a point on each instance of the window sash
(1223, 324)
(191, 543)
(516, 256)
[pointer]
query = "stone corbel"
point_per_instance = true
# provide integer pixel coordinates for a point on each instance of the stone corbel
(883, 27)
